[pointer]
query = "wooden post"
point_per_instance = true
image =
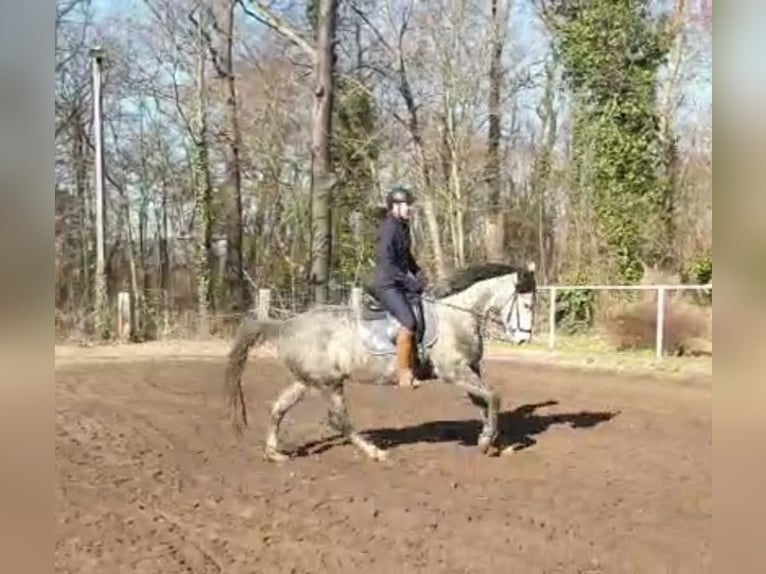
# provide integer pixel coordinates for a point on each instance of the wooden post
(660, 321)
(552, 319)
(356, 300)
(264, 303)
(123, 315)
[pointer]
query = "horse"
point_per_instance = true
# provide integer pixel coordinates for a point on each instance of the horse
(329, 345)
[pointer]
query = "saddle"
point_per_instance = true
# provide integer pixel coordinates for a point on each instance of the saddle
(378, 328)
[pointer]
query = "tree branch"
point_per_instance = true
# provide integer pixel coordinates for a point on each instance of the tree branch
(371, 26)
(265, 16)
(214, 57)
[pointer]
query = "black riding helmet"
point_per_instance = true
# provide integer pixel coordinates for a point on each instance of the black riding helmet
(399, 194)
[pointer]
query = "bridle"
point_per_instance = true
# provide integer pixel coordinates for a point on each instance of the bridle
(514, 306)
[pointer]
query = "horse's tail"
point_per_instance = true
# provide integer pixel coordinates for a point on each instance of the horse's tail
(251, 332)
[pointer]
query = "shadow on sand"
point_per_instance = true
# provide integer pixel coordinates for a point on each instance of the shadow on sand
(517, 429)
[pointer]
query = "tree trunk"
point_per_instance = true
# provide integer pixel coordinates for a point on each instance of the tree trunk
(495, 229)
(234, 275)
(143, 237)
(202, 196)
(135, 295)
(669, 100)
(163, 242)
(417, 139)
(455, 184)
(81, 187)
(543, 168)
(323, 179)
(143, 222)
(164, 255)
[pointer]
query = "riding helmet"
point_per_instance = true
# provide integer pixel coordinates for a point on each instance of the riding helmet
(399, 194)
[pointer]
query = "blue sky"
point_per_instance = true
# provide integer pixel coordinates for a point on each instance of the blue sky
(526, 32)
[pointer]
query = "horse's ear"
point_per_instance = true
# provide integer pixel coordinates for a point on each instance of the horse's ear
(531, 266)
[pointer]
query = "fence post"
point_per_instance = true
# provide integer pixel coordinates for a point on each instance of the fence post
(356, 300)
(264, 303)
(660, 321)
(552, 319)
(123, 315)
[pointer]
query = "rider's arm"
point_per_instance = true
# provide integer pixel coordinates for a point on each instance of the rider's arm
(412, 264)
(390, 257)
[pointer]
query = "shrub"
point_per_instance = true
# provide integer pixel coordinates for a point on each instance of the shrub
(634, 326)
(575, 310)
(700, 270)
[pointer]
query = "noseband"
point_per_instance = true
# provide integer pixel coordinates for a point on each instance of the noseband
(514, 306)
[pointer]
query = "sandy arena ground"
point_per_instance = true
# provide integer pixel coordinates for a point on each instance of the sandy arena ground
(606, 473)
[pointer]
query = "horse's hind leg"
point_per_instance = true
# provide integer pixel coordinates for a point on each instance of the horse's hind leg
(289, 397)
(339, 421)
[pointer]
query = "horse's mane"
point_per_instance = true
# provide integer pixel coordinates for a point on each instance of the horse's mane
(461, 279)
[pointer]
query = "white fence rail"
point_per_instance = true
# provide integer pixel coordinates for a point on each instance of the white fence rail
(661, 290)
(355, 299)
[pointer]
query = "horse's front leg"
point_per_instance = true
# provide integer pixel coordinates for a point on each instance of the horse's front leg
(469, 379)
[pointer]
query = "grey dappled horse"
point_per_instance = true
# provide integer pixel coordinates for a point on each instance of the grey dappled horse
(329, 345)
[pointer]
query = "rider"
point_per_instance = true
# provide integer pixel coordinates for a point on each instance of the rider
(397, 276)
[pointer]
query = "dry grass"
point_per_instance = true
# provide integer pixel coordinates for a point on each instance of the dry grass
(634, 326)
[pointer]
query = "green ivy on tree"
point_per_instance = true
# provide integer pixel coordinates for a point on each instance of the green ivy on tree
(354, 150)
(611, 51)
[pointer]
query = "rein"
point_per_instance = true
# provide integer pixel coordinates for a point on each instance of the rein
(484, 317)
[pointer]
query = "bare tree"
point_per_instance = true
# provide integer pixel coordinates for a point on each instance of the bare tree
(323, 179)
(495, 238)
(223, 62)
(396, 71)
(202, 189)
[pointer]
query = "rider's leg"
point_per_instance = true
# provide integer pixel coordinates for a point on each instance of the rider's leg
(404, 357)
(396, 303)
(416, 305)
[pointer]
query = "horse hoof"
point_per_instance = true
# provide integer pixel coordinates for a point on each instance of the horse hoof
(272, 455)
(380, 455)
(484, 444)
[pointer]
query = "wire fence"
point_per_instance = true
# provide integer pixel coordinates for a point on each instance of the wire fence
(548, 320)
(158, 318)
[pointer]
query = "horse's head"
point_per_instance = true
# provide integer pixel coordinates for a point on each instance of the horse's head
(518, 308)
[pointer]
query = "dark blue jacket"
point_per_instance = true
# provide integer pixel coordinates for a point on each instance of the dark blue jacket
(394, 256)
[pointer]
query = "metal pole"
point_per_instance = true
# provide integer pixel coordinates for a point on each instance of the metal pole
(660, 321)
(552, 319)
(97, 55)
